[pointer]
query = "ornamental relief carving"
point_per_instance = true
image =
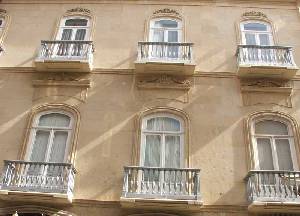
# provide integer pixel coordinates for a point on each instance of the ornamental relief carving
(3, 11)
(166, 11)
(164, 81)
(266, 92)
(79, 10)
(254, 14)
(265, 83)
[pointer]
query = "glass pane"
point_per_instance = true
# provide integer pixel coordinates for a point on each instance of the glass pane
(152, 151)
(172, 36)
(163, 124)
(172, 146)
(80, 34)
(166, 24)
(255, 27)
(76, 22)
(158, 36)
(284, 154)
(59, 146)
(250, 39)
(271, 127)
(67, 34)
(265, 154)
(264, 39)
(54, 120)
(39, 147)
(1, 22)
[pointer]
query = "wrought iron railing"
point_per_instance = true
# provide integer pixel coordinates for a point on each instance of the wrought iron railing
(161, 183)
(44, 177)
(66, 50)
(274, 56)
(165, 51)
(265, 185)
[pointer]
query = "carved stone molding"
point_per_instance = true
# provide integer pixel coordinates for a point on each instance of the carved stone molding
(254, 14)
(266, 91)
(79, 10)
(165, 11)
(3, 11)
(59, 86)
(164, 82)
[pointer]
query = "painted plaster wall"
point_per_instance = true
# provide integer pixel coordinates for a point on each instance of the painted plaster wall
(107, 130)
(212, 27)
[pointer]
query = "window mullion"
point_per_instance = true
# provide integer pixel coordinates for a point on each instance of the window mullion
(49, 146)
(274, 152)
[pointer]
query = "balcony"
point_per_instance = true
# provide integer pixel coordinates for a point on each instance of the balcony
(273, 191)
(266, 61)
(37, 179)
(65, 56)
(165, 58)
(161, 185)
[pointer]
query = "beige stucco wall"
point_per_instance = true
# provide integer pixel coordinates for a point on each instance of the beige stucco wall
(107, 128)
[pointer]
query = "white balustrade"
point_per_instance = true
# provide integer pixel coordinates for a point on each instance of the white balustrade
(165, 51)
(66, 50)
(165, 183)
(281, 186)
(273, 56)
(42, 177)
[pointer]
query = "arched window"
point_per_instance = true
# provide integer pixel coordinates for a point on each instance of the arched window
(50, 137)
(165, 30)
(273, 144)
(74, 28)
(256, 33)
(162, 141)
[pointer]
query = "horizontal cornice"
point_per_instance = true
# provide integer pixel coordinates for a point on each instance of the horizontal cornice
(161, 2)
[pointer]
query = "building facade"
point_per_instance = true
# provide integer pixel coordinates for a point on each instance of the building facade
(154, 108)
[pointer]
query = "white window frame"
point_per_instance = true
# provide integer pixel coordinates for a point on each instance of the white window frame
(269, 32)
(165, 30)
(163, 134)
(35, 127)
(272, 138)
(62, 27)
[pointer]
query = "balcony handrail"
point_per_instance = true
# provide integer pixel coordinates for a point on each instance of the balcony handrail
(165, 43)
(45, 177)
(273, 185)
(161, 183)
(161, 168)
(42, 163)
(67, 41)
(262, 47)
(252, 172)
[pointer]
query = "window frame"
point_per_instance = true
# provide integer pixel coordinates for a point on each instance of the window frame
(179, 29)
(272, 139)
(35, 127)
(163, 134)
(269, 31)
(62, 26)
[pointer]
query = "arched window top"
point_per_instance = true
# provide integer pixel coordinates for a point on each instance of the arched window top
(162, 122)
(271, 127)
(255, 25)
(165, 23)
(73, 21)
(55, 120)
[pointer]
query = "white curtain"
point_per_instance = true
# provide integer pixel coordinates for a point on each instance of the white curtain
(265, 154)
(152, 151)
(54, 120)
(39, 147)
(163, 124)
(271, 127)
(284, 154)
(172, 151)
